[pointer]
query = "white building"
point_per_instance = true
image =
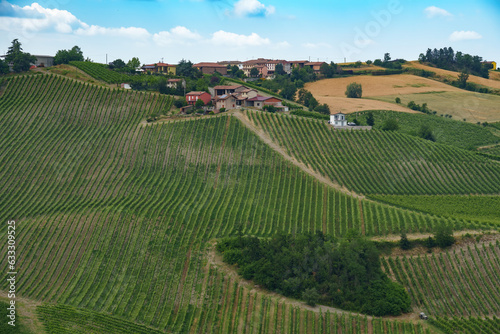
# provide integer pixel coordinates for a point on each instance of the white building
(338, 119)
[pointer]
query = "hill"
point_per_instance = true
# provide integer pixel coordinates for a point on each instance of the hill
(114, 218)
(116, 221)
(379, 162)
(445, 130)
(493, 82)
(440, 97)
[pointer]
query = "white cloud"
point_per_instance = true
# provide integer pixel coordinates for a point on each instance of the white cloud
(231, 39)
(129, 32)
(361, 43)
(34, 18)
(433, 11)
(316, 45)
(252, 8)
(464, 35)
(179, 35)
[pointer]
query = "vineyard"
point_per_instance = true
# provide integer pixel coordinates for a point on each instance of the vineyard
(101, 72)
(381, 162)
(478, 208)
(459, 283)
(446, 131)
(114, 220)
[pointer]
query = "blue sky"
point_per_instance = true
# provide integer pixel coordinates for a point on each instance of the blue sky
(212, 30)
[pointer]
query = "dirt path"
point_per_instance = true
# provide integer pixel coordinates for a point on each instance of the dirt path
(266, 139)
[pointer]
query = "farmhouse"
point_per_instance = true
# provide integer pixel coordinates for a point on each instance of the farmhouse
(44, 61)
(160, 68)
(338, 119)
(173, 83)
(227, 101)
(192, 97)
(211, 68)
(221, 90)
(493, 64)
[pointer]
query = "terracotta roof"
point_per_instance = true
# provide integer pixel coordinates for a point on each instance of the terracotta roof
(223, 97)
(164, 64)
(315, 63)
(209, 65)
(174, 80)
(227, 87)
(196, 93)
(260, 98)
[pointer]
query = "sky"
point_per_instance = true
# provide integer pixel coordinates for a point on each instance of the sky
(217, 30)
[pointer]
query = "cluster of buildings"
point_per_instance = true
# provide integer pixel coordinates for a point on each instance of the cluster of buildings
(234, 97)
(266, 67)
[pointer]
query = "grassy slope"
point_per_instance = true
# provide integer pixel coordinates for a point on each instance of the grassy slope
(473, 107)
(116, 218)
(447, 131)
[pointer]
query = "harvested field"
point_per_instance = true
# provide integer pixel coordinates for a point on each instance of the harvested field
(495, 83)
(345, 105)
(474, 107)
(378, 85)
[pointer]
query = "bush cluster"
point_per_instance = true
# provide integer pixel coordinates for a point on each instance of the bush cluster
(318, 269)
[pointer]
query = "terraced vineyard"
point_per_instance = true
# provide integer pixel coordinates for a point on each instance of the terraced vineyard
(379, 162)
(458, 283)
(101, 72)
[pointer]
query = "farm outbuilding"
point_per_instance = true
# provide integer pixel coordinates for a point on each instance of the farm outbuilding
(338, 119)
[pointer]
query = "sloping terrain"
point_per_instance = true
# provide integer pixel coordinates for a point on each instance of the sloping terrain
(493, 82)
(115, 218)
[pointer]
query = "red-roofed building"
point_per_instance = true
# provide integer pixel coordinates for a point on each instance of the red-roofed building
(211, 68)
(192, 97)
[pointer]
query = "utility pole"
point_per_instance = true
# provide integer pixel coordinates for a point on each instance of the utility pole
(106, 59)
(344, 60)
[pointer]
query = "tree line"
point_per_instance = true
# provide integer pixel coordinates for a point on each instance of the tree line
(446, 58)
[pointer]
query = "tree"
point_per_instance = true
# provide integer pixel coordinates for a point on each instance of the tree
(425, 132)
(279, 70)
(368, 62)
(185, 69)
(327, 70)
(354, 90)
(288, 91)
(387, 57)
(369, 119)
(270, 108)
(398, 100)
(404, 243)
(4, 67)
(180, 102)
(310, 296)
(134, 63)
(377, 62)
(390, 124)
(254, 72)
(323, 109)
(462, 79)
(444, 236)
(199, 104)
(118, 63)
(65, 56)
(21, 60)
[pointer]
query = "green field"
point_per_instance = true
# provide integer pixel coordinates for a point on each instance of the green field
(446, 131)
(116, 220)
(473, 107)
